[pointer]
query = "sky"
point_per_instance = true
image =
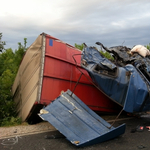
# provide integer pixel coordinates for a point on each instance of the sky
(111, 22)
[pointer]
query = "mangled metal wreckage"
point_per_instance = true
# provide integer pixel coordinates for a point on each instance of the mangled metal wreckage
(40, 80)
(126, 79)
(77, 122)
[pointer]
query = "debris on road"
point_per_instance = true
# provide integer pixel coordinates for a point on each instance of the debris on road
(77, 122)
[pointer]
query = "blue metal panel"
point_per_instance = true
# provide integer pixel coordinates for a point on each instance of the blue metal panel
(130, 88)
(137, 92)
(114, 87)
(50, 42)
(77, 122)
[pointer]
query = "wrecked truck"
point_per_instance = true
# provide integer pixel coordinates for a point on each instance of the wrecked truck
(126, 79)
(46, 70)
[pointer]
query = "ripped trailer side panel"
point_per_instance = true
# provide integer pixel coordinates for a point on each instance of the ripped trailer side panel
(77, 122)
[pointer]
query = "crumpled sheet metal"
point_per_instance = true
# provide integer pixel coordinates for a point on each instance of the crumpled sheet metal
(126, 86)
(77, 122)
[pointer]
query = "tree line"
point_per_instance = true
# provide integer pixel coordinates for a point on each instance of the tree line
(9, 64)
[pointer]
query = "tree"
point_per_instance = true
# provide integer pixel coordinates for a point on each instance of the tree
(7, 75)
(80, 47)
(9, 64)
(2, 43)
(19, 53)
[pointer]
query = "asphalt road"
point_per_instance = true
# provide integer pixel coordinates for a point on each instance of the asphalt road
(130, 140)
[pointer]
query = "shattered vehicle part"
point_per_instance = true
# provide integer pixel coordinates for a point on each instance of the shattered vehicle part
(125, 80)
(148, 127)
(142, 50)
(77, 122)
(138, 129)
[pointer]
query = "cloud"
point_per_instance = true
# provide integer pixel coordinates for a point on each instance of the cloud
(112, 22)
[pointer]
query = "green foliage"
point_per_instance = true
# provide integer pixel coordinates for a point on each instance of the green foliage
(2, 43)
(11, 121)
(107, 55)
(80, 47)
(148, 46)
(19, 53)
(9, 64)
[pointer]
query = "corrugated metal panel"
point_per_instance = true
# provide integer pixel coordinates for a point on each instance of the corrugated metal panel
(25, 87)
(79, 124)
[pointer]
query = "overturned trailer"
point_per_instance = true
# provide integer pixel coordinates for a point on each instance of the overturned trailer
(46, 70)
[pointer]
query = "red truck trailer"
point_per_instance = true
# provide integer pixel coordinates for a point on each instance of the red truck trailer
(46, 70)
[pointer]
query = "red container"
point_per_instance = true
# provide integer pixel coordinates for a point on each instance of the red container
(47, 69)
(60, 73)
